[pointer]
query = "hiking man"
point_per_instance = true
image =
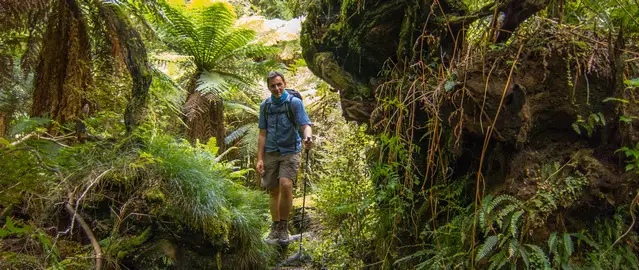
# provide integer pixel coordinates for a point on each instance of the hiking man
(278, 149)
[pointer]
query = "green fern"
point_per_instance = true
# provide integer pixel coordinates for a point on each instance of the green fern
(525, 257)
(568, 246)
(498, 260)
(514, 223)
(485, 248)
(552, 242)
(538, 259)
(499, 199)
(501, 216)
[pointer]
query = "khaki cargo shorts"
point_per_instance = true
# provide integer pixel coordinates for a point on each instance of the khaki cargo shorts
(277, 166)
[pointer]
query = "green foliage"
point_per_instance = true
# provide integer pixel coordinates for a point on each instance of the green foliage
(344, 196)
(200, 195)
(632, 156)
(25, 124)
(607, 255)
(183, 185)
(594, 120)
(557, 186)
(31, 236)
(220, 52)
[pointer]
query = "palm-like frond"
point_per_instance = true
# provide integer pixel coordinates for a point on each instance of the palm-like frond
(236, 134)
(242, 107)
(221, 51)
(247, 136)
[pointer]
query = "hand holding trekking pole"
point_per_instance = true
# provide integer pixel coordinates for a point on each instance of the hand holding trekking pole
(308, 142)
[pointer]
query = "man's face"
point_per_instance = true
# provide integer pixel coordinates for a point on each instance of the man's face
(276, 86)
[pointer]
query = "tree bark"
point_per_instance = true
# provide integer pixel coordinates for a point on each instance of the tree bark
(3, 126)
(63, 74)
(135, 57)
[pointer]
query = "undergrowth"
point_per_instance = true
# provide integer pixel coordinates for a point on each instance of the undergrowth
(128, 185)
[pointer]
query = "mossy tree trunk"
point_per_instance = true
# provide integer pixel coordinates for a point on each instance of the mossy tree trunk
(204, 115)
(3, 126)
(63, 74)
(134, 54)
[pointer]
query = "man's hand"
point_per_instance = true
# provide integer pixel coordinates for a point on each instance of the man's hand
(260, 167)
(308, 142)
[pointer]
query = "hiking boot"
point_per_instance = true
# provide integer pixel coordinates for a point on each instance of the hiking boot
(274, 235)
(283, 230)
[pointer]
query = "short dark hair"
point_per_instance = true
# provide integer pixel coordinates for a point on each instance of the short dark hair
(272, 75)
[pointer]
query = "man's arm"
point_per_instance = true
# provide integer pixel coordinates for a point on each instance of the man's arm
(261, 142)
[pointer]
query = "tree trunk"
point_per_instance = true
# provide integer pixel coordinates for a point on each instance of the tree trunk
(3, 126)
(63, 74)
(204, 115)
(135, 57)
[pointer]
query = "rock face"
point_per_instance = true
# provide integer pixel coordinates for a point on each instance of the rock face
(539, 98)
(348, 43)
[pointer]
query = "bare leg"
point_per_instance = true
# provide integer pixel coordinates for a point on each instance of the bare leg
(274, 203)
(286, 197)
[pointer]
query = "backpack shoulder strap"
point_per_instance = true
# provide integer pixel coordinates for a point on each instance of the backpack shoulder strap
(290, 113)
(267, 106)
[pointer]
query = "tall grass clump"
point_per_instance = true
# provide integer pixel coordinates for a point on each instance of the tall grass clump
(201, 194)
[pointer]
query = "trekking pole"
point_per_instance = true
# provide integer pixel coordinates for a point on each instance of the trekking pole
(304, 198)
(300, 256)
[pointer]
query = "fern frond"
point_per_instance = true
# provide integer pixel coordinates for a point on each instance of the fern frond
(525, 257)
(212, 83)
(586, 240)
(219, 14)
(552, 242)
(178, 24)
(504, 213)
(540, 255)
(236, 134)
(248, 145)
(498, 260)
(631, 257)
(499, 199)
(568, 246)
(487, 200)
(485, 248)
(514, 223)
(242, 107)
(231, 43)
(513, 248)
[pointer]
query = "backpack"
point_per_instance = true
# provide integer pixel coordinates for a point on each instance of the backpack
(290, 114)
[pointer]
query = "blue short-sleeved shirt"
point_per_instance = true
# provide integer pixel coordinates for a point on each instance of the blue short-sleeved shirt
(281, 134)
